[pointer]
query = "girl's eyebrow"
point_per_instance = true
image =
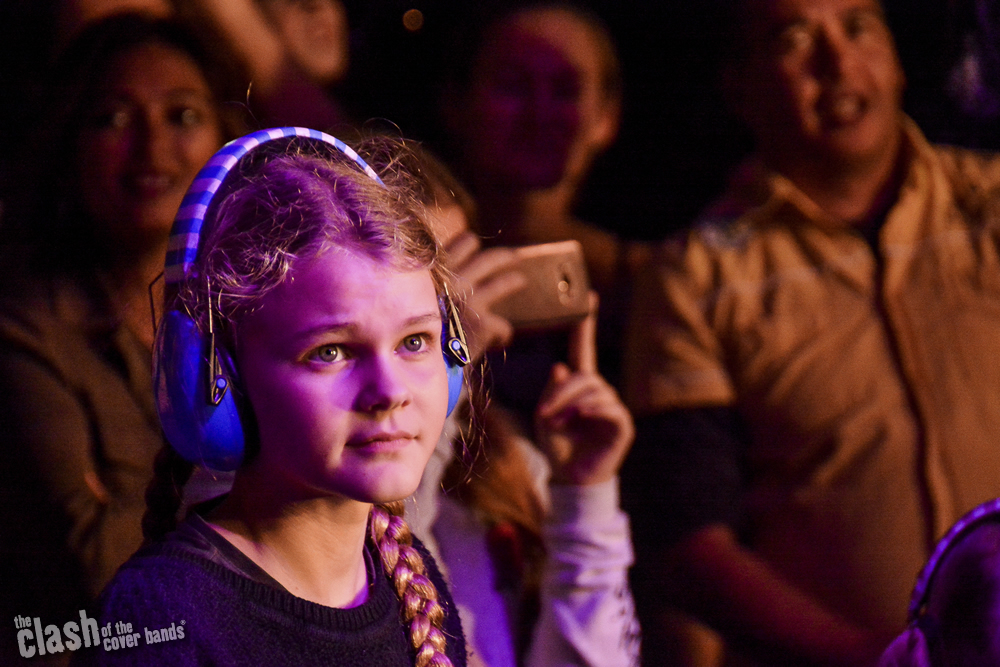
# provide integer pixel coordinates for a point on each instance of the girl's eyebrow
(431, 318)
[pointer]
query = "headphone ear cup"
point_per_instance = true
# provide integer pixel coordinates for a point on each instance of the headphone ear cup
(200, 431)
(456, 380)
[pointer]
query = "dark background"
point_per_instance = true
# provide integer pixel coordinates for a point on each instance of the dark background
(677, 140)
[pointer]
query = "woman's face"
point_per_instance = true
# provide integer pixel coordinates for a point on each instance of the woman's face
(344, 369)
(315, 33)
(153, 126)
(535, 104)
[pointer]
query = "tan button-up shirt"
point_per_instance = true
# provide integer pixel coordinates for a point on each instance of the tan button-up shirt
(870, 380)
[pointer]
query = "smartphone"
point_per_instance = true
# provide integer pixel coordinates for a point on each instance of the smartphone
(556, 295)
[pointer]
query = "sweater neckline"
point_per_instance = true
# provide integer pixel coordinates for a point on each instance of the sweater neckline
(197, 542)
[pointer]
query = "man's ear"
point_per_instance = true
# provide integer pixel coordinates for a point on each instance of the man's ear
(604, 130)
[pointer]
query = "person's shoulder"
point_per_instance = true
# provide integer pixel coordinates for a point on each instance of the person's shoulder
(974, 179)
(156, 575)
(147, 612)
(35, 308)
(433, 571)
(177, 570)
(975, 168)
(717, 232)
(731, 221)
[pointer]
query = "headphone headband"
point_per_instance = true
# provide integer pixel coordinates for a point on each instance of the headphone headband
(185, 236)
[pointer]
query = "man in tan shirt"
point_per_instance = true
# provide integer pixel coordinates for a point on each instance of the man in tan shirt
(815, 366)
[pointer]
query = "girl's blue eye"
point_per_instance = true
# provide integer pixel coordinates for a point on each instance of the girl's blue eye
(414, 343)
(328, 353)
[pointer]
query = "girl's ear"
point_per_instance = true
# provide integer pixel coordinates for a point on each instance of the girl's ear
(241, 397)
(203, 430)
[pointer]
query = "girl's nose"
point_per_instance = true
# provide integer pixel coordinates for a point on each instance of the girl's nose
(383, 386)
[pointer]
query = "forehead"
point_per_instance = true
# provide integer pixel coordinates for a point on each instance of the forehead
(348, 287)
(531, 33)
(154, 65)
(760, 18)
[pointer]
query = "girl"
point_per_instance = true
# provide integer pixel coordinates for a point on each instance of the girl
(318, 294)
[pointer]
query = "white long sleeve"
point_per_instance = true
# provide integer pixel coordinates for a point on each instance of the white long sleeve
(587, 615)
(587, 611)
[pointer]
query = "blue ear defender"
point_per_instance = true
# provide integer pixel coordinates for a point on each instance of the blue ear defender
(192, 376)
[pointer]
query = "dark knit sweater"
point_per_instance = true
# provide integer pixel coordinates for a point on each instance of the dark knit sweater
(231, 612)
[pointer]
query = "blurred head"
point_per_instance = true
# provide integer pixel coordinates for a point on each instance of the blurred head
(75, 15)
(816, 80)
(151, 125)
(965, 601)
(540, 100)
(315, 32)
(133, 111)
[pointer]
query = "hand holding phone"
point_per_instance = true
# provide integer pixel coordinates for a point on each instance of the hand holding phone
(555, 294)
(483, 277)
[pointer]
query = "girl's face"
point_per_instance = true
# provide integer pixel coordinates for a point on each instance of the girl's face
(152, 128)
(343, 366)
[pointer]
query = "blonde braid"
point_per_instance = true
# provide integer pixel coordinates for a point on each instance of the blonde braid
(417, 594)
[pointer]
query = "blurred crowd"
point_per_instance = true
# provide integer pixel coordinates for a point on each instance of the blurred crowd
(789, 210)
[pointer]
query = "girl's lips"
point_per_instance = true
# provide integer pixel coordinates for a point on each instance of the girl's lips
(382, 441)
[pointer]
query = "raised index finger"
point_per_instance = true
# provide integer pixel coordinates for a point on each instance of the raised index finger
(583, 341)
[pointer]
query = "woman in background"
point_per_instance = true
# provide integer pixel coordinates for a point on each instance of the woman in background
(134, 109)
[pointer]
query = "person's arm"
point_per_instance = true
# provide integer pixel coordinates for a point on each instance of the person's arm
(685, 495)
(587, 615)
(752, 606)
(280, 91)
(72, 506)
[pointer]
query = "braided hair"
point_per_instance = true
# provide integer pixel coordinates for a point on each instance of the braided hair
(416, 592)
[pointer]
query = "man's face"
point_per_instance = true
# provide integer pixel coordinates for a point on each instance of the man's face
(820, 81)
